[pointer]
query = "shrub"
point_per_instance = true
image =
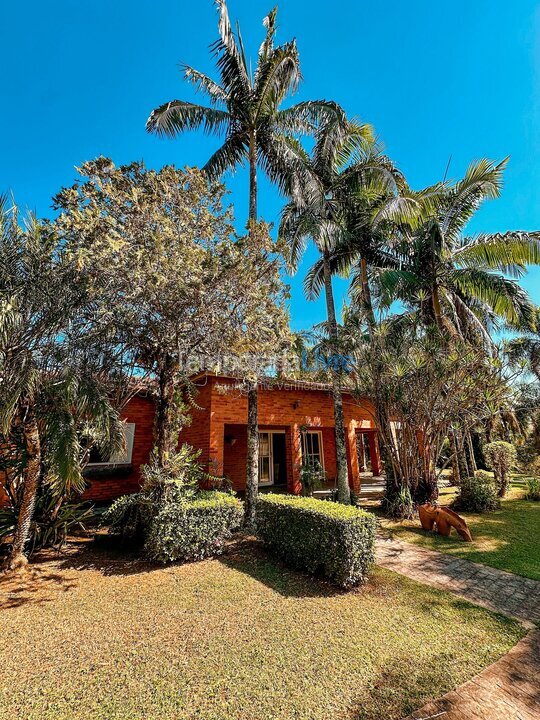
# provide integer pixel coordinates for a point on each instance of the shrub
(399, 504)
(171, 517)
(318, 537)
(193, 530)
(500, 457)
(477, 494)
(533, 489)
(312, 477)
(53, 520)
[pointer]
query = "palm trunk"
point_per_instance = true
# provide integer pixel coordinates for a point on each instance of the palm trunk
(436, 305)
(366, 295)
(344, 492)
(165, 412)
(252, 460)
(17, 558)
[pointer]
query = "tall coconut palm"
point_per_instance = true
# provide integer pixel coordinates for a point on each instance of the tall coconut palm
(47, 390)
(245, 107)
(320, 211)
(462, 283)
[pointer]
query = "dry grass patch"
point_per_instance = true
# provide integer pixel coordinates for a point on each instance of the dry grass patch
(94, 636)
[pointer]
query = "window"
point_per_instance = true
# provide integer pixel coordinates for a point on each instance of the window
(119, 458)
(265, 468)
(312, 447)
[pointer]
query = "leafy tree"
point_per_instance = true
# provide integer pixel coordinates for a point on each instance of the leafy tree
(245, 107)
(168, 273)
(421, 388)
(51, 387)
(501, 458)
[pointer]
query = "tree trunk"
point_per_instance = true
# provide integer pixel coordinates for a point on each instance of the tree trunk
(366, 295)
(344, 492)
(164, 430)
(252, 478)
(252, 460)
(436, 304)
(455, 464)
(17, 559)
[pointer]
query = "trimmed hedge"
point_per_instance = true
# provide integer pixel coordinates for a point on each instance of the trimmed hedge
(320, 537)
(193, 530)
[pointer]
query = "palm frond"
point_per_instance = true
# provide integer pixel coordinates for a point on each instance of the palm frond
(233, 152)
(216, 94)
(505, 297)
(508, 252)
(176, 116)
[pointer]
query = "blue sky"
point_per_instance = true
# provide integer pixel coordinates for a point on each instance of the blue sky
(459, 79)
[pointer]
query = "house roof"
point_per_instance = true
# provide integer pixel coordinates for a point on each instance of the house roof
(274, 382)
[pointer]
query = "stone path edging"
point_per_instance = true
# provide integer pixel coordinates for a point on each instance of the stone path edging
(510, 688)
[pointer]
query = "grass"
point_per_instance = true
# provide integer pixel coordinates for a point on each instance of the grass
(94, 636)
(508, 539)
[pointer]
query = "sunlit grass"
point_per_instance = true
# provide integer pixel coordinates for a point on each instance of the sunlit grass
(508, 539)
(238, 638)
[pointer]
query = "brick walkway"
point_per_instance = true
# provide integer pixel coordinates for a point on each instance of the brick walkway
(497, 590)
(510, 688)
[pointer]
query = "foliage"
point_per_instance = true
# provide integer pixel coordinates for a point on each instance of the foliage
(195, 529)
(477, 493)
(312, 477)
(459, 283)
(168, 275)
(171, 516)
(532, 491)
(245, 107)
(319, 537)
(421, 387)
(54, 385)
(399, 504)
(53, 520)
(501, 458)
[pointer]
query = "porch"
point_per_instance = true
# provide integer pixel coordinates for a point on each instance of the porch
(283, 449)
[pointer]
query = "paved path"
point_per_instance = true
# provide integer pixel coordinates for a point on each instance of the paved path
(497, 590)
(507, 690)
(510, 688)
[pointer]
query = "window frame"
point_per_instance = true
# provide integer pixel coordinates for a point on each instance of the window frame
(321, 447)
(124, 459)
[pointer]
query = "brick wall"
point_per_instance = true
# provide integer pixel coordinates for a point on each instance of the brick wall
(108, 484)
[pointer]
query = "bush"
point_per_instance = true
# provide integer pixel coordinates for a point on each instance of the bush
(312, 477)
(53, 520)
(533, 489)
(194, 530)
(318, 537)
(501, 458)
(398, 504)
(171, 518)
(477, 494)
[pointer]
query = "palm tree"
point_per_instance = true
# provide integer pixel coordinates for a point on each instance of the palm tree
(48, 392)
(344, 162)
(462, 284)
(245, 108)
(525, 350)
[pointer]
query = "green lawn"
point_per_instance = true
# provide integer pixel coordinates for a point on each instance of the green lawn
(508, 539)
(96, 636)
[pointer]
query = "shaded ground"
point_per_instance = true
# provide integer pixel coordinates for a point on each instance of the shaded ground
(507, 539)
(94, 635)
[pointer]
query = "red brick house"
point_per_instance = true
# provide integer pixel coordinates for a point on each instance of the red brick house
(295, 420)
